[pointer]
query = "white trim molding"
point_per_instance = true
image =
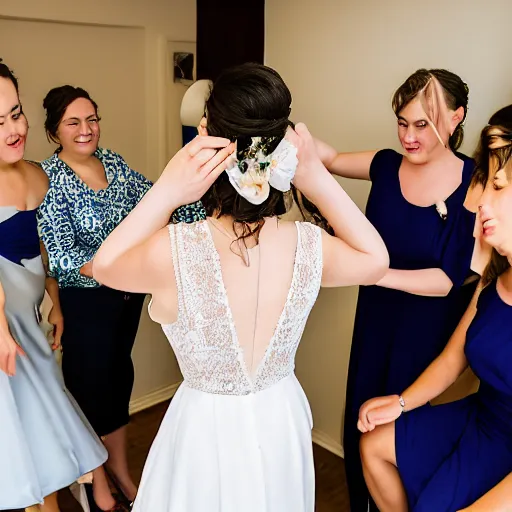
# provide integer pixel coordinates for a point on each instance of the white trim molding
(327, 442)
(154, 398)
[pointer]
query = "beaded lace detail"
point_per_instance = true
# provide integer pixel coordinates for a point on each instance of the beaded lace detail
(204, 338)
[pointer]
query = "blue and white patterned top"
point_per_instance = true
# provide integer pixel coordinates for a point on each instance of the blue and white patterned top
(74, 220)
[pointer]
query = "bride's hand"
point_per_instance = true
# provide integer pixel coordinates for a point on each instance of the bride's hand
(194, 168)
(309, 161)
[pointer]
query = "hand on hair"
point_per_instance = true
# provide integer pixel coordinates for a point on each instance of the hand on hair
(309, 161)
(194, 168)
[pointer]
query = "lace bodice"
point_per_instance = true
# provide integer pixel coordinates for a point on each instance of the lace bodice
(204, 338)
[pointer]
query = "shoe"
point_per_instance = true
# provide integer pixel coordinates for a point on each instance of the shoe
(115, 482)
(90, 499)
(120, 506)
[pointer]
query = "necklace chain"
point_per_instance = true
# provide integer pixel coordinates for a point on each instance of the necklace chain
(225, 232)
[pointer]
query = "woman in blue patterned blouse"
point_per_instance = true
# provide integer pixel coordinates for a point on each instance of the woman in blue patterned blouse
(91, 191)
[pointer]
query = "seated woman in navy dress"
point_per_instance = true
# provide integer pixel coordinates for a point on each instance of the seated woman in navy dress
(457, 456)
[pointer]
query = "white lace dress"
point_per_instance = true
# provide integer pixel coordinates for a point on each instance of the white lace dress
(231, 442)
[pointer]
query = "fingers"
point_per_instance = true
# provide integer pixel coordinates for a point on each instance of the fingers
(299, 136)
(204, 156)
(363, 417)
(368, 415)
(4, 362)
(202, 142)
(201, 129)
(57, 335)
(214, 168)
(292, 137)
(364, 425)
(302, 131)
(11, 364)
(8, 357)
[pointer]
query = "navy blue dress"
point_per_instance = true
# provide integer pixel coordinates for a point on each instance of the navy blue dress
(398, 334)
(450, 455)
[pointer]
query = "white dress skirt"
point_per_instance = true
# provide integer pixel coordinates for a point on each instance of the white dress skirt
(229, 453)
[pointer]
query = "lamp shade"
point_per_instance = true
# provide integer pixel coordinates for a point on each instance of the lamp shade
(193, 103)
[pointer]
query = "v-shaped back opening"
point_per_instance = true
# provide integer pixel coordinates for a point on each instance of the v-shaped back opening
(256, 296)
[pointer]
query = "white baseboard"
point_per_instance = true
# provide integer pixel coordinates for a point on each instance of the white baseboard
(167, 392)
(155, 397)
(327, 442)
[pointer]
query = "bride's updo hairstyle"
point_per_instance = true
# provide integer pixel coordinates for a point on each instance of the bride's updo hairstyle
(251, 100)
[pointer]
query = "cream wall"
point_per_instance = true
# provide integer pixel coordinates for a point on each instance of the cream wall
(58, 41)
(342, 61)
(122, 128)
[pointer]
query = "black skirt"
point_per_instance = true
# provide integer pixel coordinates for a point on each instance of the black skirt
(100, 326)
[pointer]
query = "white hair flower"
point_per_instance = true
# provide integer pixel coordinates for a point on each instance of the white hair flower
(253, 176)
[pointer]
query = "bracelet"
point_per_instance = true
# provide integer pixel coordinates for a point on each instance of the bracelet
(401, 401)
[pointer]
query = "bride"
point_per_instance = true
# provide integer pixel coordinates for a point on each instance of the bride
(233, 294)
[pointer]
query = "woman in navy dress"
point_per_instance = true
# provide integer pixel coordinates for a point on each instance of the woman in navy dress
(457, 456)
(417, 205)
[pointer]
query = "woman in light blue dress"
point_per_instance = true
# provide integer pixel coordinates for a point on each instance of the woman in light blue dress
(46, 443)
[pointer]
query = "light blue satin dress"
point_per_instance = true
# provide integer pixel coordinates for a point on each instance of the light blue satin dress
(46, 443)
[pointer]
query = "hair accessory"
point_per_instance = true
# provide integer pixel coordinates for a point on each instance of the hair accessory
(256, 168)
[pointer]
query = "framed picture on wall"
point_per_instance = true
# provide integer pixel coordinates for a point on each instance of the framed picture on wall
(184, 67)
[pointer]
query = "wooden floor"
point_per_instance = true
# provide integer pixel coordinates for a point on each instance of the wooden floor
(331, 489)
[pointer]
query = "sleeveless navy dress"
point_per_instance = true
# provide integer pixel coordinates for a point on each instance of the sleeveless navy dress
(398, 334)
(450, 455)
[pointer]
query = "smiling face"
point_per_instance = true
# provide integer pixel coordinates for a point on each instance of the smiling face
(13, 124)
(79, 129)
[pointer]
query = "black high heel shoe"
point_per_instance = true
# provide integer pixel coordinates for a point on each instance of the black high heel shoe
(115, 482)
(90, 499)
(120, 506)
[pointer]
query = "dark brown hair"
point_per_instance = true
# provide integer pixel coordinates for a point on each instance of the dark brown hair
(56, 102)
(251, 100)
(456, 95)
(5, 72)
(502, 121)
